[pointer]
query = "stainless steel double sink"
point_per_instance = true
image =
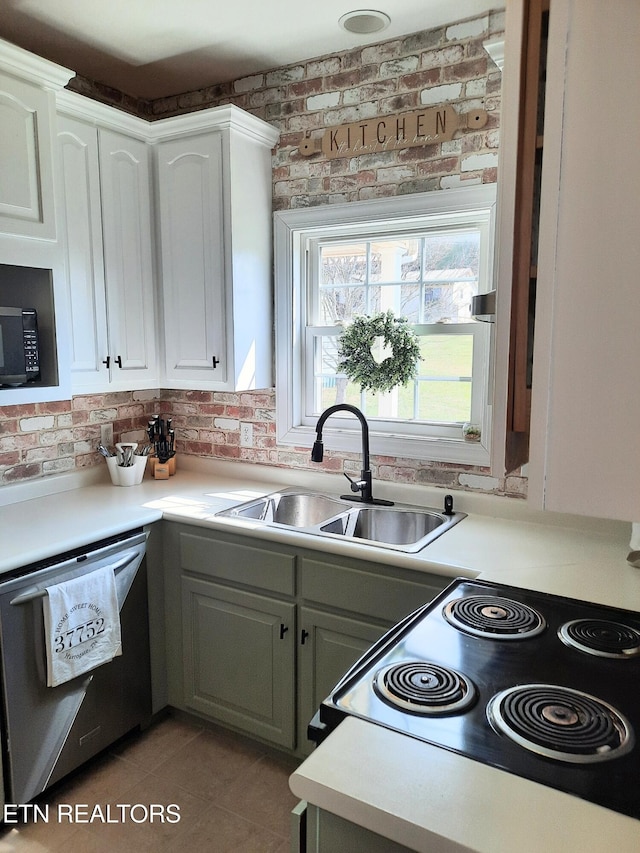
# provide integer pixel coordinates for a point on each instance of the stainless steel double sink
(399, 527)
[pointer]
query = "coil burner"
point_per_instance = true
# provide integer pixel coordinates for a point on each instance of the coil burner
(601, 637)
(495, 617)
(552, 706)
(560, 723)
(423, 687)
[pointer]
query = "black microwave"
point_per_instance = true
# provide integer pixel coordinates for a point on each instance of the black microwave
(19, 346)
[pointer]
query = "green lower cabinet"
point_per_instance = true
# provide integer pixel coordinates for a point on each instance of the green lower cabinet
(239, 659)
(328, 833)
(258, 634)
(329, 645)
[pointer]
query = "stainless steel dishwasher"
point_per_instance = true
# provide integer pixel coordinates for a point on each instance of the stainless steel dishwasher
(50, 731)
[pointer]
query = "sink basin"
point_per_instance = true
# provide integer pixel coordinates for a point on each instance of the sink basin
(386, 525)
(294, 509)
(401, 528)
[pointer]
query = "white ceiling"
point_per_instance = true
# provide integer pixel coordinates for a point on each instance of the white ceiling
(154, 48)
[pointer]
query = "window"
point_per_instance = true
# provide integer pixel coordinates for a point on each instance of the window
(423, 256)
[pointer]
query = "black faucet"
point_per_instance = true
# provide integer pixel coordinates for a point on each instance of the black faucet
(363, 485)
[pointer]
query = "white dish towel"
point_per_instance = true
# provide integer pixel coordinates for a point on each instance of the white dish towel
(81, 625)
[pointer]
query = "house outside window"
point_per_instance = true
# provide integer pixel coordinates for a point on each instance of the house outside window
(422, 256)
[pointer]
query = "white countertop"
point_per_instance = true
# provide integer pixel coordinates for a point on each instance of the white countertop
(499, 540)
(434, 801)
(426, 798)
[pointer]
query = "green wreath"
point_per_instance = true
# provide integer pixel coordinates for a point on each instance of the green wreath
(356, 358)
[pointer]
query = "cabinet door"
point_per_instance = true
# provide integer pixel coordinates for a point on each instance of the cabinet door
(239, 659)
(193, 260)
(128, 257)
(329, 645)
(328, 833)
(26, 174)
(81, 226)
(585, 407)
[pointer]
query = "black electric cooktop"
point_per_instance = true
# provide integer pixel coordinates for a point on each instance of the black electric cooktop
(542, 686)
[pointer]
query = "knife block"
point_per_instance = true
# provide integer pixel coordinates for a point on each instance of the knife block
(161, 470)
(170, 465)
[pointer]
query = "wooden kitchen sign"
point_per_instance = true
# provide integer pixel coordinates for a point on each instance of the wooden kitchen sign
(388, 133)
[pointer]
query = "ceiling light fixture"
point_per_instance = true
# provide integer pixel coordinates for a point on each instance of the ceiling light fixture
(364, 21)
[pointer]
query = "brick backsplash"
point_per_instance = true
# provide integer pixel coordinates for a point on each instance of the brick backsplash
(448, 64)
(40, 439)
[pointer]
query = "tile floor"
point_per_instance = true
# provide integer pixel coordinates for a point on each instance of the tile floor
(232, 793)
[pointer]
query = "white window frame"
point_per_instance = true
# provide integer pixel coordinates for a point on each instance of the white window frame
(294, 230)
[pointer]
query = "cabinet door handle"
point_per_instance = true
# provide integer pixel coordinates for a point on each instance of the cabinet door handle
(216, 362)
(283, 630)
(303, 636)
(118, 361)
(107, 361)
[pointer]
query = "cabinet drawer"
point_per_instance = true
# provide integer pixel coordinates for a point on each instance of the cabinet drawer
(269, 570)
(360, 590)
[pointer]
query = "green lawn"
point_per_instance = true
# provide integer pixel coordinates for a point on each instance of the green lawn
(447, 357)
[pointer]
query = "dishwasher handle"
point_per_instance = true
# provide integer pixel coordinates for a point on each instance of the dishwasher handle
(34, 593)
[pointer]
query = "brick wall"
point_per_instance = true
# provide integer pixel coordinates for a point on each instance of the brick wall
(446, 65)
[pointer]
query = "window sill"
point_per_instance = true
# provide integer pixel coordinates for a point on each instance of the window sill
(427, 449)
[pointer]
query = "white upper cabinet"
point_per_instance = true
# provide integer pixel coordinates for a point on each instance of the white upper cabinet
(104, 194)
(214, 184)
(81, 224)
(214, 225)
(27, 120)
(31, 268)
(586, 406)
(193, 267)
(128, 252)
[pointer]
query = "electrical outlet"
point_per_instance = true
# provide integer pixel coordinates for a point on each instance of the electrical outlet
(246, 435)
(106, 435)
